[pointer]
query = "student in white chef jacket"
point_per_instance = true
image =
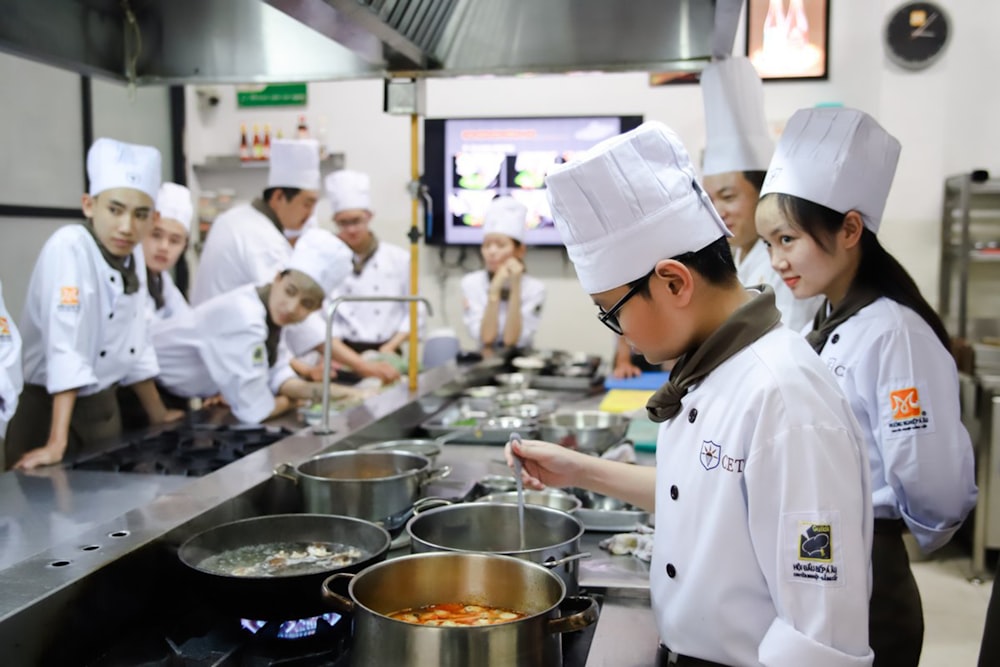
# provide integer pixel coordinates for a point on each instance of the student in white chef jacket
(232, 344)
(11, 377)
(820, 210)
(761, 490)
(249, 243)
(502, 304)
(737, 152)
(379, 269)
(84, 326)
(161, 249)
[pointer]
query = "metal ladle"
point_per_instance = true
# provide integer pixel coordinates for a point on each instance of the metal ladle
(324, 428)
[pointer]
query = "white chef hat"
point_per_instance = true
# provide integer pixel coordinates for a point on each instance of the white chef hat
(294, 164)
(505, 215)
(839, 158)
(116, 164)
(348, 190)
(629, 202)
(323, 257)
(174, 203)
(737, 138)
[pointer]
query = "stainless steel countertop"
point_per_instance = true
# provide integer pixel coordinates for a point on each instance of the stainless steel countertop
(61, 515)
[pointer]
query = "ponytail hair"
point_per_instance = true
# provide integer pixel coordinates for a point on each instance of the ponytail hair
(878, 270)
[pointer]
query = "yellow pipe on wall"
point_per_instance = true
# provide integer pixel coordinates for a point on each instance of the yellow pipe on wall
(414, 250)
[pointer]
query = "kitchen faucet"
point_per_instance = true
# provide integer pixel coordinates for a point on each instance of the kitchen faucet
(325, 425)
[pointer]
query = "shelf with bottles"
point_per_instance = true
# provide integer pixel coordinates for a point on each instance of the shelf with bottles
(230, 163)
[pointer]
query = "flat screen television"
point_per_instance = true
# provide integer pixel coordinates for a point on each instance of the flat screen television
(469, 161)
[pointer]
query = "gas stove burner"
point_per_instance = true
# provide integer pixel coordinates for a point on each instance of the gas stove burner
(191, 449)
(300, 629)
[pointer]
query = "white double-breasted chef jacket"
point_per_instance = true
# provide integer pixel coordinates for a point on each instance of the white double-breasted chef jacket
(245, 248)
(11, 376)
(219, 347)
(763, 515)
(755, 269)
(476, 294)
(80, 329)
(386, 273)
(903, 387)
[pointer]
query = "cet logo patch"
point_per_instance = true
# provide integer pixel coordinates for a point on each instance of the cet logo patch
(69, 296)
(258, 355)
(905, 403)
(816, 542)
(710, 455)
(4, 327)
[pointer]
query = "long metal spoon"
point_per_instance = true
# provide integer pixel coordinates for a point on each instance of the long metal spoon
(515, 437)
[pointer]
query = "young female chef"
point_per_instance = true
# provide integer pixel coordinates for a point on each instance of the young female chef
(233, 344)
(502, 304)
(11, 380)
(84, 327)
(761, 492)
(737, 151)
(821, 207)
(161, 249)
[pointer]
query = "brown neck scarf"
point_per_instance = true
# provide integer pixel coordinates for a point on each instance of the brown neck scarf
(361, 258)
(124, 265)
(154, 283)
(273, 330)
(261, 207)
(748, 323)
(825, 322)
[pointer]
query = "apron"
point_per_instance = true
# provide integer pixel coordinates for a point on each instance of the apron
(95, 420)
(896, 620)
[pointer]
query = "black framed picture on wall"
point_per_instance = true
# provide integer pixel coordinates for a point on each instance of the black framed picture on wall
(789, 39)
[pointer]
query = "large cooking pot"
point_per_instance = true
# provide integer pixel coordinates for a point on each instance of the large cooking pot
(588, 431)
(436, 578)
(554, 498)
(551, 538)
(370, 485)
(285, 597)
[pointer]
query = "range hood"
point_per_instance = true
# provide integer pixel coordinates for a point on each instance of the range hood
(244, 41)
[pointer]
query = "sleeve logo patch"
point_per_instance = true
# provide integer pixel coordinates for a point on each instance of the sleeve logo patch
(905, 403)
(816, 542)
(907, 414)
(258, 355)
(69, 296)
(4, 328)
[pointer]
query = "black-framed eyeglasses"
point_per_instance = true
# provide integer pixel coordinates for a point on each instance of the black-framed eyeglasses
(609, 318)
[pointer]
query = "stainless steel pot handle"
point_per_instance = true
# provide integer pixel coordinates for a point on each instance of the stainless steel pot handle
(336, 600)
(554, 563)
(287, 471)
(587, 615)
(436, 474)
(425, 504)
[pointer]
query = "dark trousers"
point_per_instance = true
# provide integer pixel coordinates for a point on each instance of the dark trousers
(666, 658)
(96, 420)
(989, 651)
(896, 617)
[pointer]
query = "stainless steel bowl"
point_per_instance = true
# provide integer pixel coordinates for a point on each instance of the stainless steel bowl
(513, 380)
(553, 498)
(429, 448)
(588, 431)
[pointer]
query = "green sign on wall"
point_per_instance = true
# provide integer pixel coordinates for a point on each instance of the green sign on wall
(272, 95)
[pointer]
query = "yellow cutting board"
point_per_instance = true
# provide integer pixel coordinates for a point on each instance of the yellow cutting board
(625, 400)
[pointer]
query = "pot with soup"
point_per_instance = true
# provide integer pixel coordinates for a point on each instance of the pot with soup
(458, 609)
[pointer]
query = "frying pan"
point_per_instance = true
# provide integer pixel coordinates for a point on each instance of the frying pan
(277, 598)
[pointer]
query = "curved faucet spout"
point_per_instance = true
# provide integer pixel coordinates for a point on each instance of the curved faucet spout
(325, 424)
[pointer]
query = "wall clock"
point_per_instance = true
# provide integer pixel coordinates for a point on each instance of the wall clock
(916, 34)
